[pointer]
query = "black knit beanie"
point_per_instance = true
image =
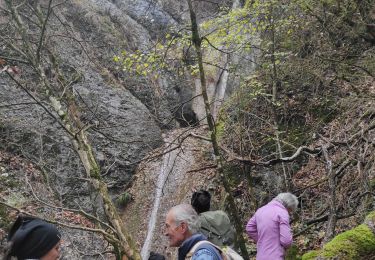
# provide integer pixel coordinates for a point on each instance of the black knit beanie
(32, 238)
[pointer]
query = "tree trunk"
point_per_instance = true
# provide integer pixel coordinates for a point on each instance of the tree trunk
(332, 217)
(211, 124)
(279, 150)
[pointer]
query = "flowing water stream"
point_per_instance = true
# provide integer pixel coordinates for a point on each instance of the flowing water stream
(168, 161)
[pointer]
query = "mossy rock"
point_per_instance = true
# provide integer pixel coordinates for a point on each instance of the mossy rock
(351, 244)
(356, 243)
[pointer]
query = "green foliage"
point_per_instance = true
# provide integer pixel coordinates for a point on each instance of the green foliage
(239, 104)
(165, 55)
(139, 63)
(229, 29)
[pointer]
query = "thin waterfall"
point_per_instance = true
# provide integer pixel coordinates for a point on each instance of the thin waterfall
(220, 90)
(166, 166)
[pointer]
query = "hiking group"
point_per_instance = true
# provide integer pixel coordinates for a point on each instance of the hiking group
(199, 234)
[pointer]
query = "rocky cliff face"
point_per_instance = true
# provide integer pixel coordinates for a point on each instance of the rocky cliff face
(84, 36)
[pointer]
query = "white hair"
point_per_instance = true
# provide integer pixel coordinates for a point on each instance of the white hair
(289, 200)
(186, 213)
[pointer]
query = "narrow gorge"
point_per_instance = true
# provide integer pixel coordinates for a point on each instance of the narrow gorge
(111, 112)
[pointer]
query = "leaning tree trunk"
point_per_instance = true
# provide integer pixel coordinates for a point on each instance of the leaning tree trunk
(211, 124)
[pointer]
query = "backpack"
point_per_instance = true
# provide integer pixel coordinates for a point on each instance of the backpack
(226, 252)
(216, 226)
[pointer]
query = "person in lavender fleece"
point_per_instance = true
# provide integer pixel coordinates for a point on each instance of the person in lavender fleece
(270, 229)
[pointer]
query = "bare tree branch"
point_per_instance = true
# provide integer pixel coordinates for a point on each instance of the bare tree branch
(100, 231)
(39, 103)
(44, 27)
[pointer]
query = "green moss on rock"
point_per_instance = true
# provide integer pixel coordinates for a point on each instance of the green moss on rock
(352, 244)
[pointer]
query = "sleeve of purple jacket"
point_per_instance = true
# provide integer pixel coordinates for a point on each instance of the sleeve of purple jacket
(286, 237)
(251, 229)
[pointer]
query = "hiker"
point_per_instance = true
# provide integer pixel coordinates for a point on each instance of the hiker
(181, 227)
(32, 238)
(215, 225)
(270, 229)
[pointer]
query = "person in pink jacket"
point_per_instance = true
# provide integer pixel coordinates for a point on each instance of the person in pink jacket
(270, 229)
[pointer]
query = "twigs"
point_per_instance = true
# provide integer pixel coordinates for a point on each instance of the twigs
(302, 149)
(210, 166)
(249, 161)
(39, 103)
(324, 218)
(100, 231)
(82, 212)
(310, 223)
(41, 36)
(338, 174)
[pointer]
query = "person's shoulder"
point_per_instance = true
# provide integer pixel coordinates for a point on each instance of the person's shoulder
(206, 252)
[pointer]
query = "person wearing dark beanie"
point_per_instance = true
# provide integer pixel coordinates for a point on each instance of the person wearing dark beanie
(33, 238)
(201, 201)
